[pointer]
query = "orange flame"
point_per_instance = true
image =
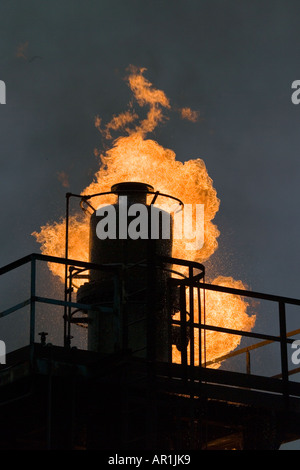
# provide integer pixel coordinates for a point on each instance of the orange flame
(189, 114)
(21, 52)
(63, 178)
(222, 310)
(134, 158)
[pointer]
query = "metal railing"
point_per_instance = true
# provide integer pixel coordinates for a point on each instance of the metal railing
(195, 286)
(191, 287)
(66, 303)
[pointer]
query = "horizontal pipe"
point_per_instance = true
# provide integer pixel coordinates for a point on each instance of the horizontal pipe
(15, 308)
(231, 331)
(64, 303)
(16, 264)
(55, 259)
(251, 348)
(247, 293)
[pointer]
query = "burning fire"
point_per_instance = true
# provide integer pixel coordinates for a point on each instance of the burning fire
(222, 310)
(135, 158)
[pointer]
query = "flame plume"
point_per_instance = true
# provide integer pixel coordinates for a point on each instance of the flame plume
(134, 158)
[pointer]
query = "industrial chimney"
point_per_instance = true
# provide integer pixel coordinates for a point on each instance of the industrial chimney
(144, 279)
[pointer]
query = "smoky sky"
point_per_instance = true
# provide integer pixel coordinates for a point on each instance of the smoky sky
(233, 61)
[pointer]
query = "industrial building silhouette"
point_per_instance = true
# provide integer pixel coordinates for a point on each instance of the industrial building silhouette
(124, 391)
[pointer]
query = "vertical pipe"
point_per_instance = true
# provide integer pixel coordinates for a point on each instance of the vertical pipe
(183, 345)
(192, 357)
(204, 322)
(191, 322)
(151, 415)
(248, 364)
(199, 323)
(283, 348)
(151, 297)
(169, 320)
(49, 407)
(32, 306)
(66, 268)
(68, 309)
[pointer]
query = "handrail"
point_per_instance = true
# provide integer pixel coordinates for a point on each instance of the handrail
(16, 264)
(253, 294)
(113, 266)
(56, 259)
(250, 348)
(181, 262)
(191, 281)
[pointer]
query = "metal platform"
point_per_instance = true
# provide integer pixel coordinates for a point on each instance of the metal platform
(71, 399)
(61, 397)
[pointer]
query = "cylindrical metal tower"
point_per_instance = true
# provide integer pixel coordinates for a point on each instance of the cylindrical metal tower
(137, 234)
